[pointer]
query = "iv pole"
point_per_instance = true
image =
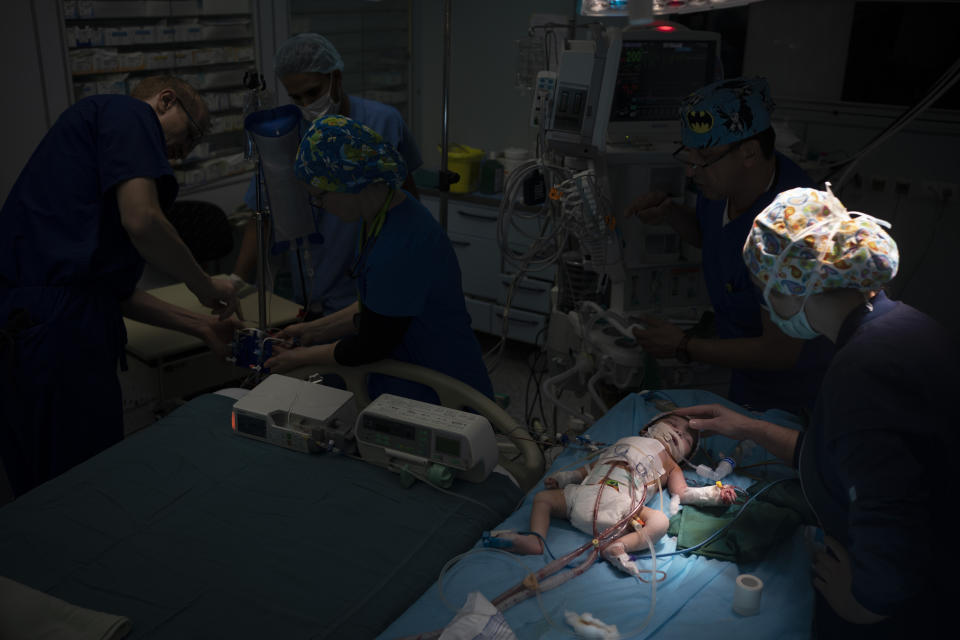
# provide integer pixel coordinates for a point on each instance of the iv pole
(256, 85)
(445, 178)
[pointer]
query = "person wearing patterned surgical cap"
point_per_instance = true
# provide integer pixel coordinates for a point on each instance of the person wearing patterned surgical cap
(883, 413)
(728, 153)
(409, 302)
(311, 71)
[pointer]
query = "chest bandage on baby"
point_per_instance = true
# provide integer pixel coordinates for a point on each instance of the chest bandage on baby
(612, 475)
(641, 454)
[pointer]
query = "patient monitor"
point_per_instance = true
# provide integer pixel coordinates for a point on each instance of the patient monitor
(295, 414)
(395, 432)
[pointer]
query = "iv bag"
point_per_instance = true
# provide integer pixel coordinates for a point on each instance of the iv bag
(276, 134)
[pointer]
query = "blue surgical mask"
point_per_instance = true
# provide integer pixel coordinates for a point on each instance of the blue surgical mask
(797, 325)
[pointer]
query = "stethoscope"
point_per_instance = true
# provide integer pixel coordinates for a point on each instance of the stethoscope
(366, 239)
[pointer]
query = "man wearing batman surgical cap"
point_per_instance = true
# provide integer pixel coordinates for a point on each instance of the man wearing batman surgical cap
(728, 152)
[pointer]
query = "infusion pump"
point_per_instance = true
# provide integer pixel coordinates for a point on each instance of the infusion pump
(394, 432)
(296, 414)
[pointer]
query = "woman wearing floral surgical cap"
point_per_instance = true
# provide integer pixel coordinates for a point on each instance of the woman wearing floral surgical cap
(866, 461)
(410, 304)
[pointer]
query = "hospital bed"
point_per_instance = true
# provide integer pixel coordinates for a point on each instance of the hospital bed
(695, 598)
(188, 530)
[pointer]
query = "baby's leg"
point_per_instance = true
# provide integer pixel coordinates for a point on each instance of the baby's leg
(545, 504)
(655, 525)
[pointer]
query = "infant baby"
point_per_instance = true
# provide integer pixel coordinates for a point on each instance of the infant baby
(622, 471)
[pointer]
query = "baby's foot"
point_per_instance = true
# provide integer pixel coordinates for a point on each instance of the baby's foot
(515, 543)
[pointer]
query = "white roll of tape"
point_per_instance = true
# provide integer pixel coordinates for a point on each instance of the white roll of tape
(746, 594)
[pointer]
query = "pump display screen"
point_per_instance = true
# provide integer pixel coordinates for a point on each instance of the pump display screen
(448, 446)
(390, 428)
(250, 425)
(655, 75)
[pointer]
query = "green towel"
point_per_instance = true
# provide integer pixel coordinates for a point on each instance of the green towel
(766, 522)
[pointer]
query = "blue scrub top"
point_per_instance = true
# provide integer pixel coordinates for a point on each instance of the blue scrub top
(329, 252)
(736, 302)
(61, 223)
(411, 270)
(66, 265)
(868, 461)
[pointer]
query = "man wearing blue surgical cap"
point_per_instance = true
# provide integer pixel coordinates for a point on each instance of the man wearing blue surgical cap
(728, 152)
(311, 70)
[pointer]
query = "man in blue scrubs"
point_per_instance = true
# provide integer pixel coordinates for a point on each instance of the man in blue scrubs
(83, 216)
(728, 152)
(311, 70)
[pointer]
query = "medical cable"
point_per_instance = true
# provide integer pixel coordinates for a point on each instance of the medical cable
(548, 577)
(722, 529)
(545, 579)
(427, 481)
(536, 592)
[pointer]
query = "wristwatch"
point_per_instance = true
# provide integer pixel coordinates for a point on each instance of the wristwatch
(682, 354)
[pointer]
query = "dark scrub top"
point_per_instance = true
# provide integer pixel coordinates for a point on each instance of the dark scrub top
(66, 264)
(410, 270)
(875, 463)
(329, 251)
(736, 302)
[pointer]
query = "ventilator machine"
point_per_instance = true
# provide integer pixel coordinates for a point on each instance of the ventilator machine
(606, 114)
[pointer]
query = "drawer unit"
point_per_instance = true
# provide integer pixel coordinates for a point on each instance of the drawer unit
(471, 219)
(480, 313)
(529, 293)
(479, 265)
(524, 326)
(548, 273)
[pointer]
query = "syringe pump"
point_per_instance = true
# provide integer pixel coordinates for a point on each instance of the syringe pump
(296, 414)
(395, 432)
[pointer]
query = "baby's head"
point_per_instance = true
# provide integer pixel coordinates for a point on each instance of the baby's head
(674, 433)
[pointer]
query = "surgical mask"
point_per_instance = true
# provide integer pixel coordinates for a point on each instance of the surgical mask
(320, 107)
(797, 325)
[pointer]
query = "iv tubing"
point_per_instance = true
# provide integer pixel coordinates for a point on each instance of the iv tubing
(547, 385)
(591, 385)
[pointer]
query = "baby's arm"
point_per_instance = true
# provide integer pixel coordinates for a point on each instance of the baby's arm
(560, 479)
(708, 496)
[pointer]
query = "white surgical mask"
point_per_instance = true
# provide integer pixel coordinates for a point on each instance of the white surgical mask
(320, 107)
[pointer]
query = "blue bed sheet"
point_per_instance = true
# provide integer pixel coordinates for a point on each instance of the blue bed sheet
(693, 601)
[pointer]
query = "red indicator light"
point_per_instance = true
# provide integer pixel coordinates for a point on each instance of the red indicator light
(665, 27)
(233, 421)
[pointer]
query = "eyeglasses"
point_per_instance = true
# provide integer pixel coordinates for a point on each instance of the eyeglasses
(683, 156)
(196, 134)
